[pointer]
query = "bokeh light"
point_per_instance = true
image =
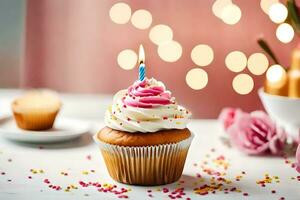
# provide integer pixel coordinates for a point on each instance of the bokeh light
(285, 33)
(243, 84)
(275, 74)
(236, 61)
(127, 59)
(258, 63)
(160, 34)
(266, 4)
(196, 78)
(120, 13)
(218, 7)
(278, 13)
(141, 19)
(202, 55)
(231, 14)
(170, 51)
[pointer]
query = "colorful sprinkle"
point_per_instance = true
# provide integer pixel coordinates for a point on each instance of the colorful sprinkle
(89, 157)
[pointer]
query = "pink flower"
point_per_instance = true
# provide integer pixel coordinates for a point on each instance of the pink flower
(298, 159)
(256, 133)
(228, 115)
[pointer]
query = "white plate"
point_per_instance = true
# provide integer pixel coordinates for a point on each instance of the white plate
(64, 129)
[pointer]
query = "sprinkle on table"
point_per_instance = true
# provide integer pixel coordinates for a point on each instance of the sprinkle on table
(37, 171)
(64, 173)
(268, 180)
(100, 187)
(89, 157)
(214, 179)
(85, 172)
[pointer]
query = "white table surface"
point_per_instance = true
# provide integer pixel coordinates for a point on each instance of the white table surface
(82, 161)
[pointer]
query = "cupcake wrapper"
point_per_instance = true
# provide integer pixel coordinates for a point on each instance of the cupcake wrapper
(35, 120)
(147, 165)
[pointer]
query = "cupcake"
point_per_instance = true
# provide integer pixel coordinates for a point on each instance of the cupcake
(145, 141)
(36, 110)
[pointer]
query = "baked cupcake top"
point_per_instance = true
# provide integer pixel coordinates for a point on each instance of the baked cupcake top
(146, 106)
(37, 100)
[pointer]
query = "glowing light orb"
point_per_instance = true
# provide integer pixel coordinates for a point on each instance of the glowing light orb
(231, 14)
(196, 79)
(236, 61)
(258, 63)
(275, 74)
(278, 13)
(266, 5)
(243, 84)
(202, 55)
(219, 5)
(127, 59)
(120, 13)
(170, 51)
(285, 33)
(160, 34)
(141, 19)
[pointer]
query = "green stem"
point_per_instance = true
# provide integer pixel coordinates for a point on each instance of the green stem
(263, 44)
(292, 9)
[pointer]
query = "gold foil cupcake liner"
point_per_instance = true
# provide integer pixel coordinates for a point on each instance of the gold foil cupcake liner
(146, 165)
(35, 120)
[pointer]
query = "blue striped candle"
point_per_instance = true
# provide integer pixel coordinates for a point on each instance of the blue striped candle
(142, 72)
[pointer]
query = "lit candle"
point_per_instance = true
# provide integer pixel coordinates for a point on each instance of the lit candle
(276, 81)
(294, 74)
(142, 63)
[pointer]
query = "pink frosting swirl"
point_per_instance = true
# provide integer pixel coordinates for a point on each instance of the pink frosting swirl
(148, 93)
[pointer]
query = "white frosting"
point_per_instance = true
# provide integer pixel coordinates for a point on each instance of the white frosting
(135, 119)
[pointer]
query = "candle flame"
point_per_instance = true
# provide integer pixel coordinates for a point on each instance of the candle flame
(275, 73)
(276, 79)
(141, 54)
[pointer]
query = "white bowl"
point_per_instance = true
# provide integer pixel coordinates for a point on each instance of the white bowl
(284, 110)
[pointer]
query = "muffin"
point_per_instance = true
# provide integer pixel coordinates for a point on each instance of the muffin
(36, 110)
(145, 141)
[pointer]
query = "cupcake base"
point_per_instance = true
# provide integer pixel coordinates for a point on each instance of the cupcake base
(145, 165)
(35, 121)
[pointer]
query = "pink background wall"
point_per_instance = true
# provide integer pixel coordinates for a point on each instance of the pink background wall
(72, 45)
